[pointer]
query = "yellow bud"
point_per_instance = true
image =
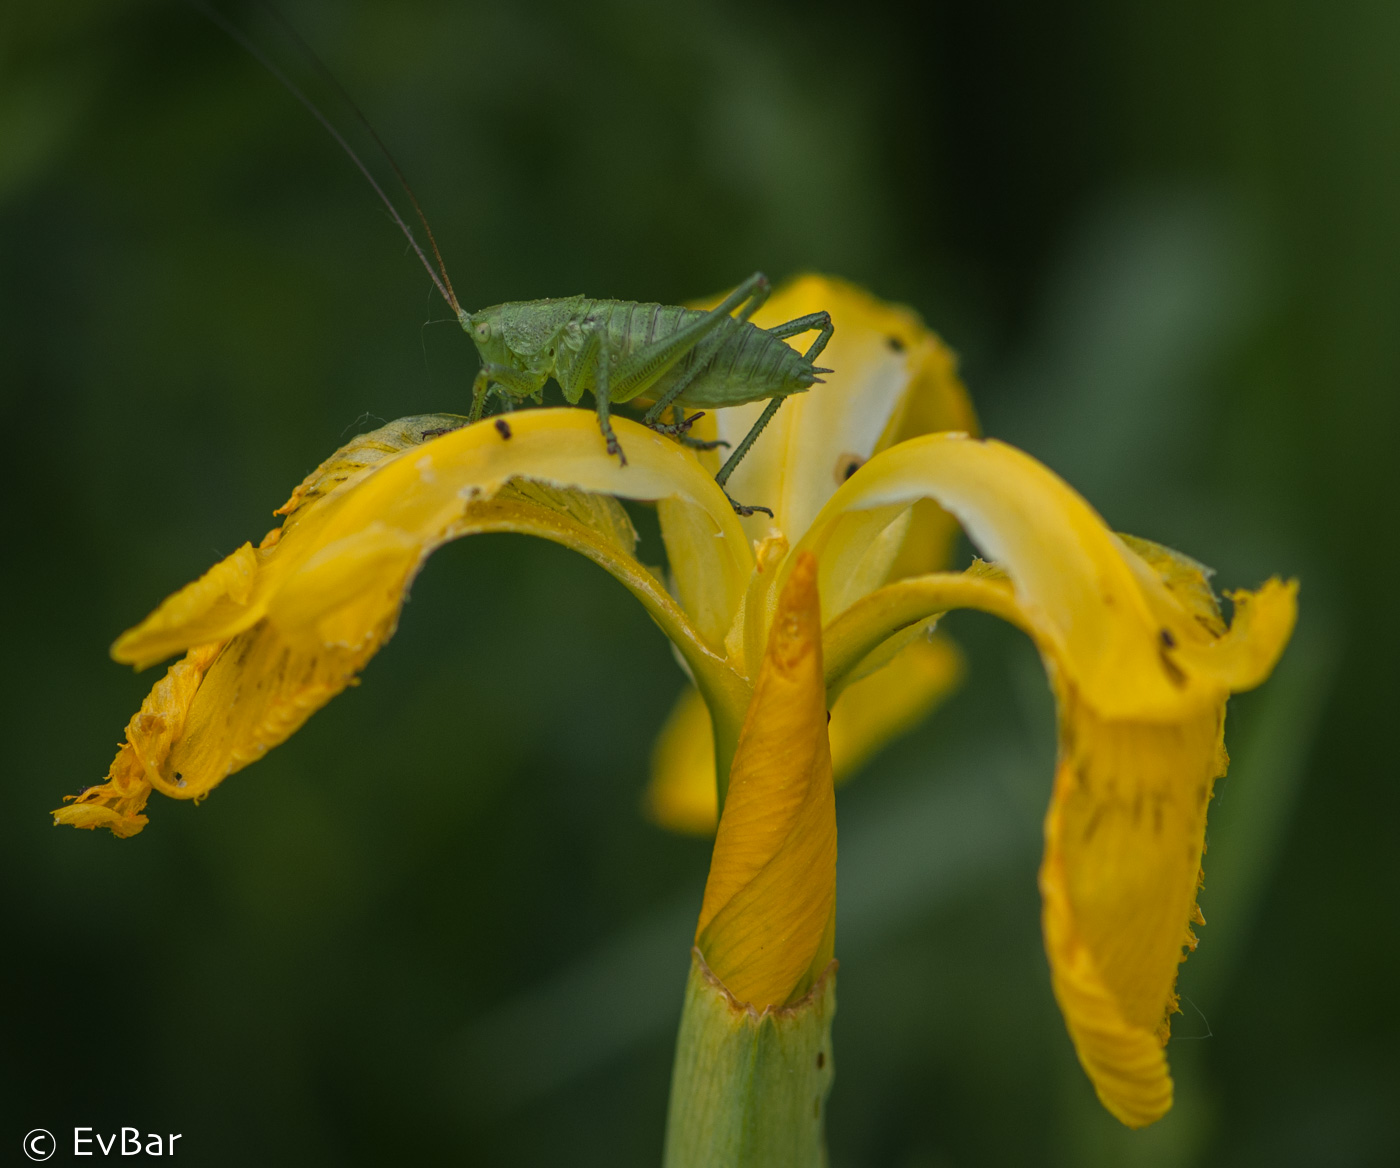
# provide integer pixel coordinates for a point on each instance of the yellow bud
(767, 926)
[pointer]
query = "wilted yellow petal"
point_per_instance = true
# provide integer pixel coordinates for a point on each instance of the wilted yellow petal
(141, 762)
(1124, 838)
(868, 714)
(278, 630)
(1123, 841)
(767, 925)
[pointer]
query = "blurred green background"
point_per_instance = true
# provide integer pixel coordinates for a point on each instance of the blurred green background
(433, 927)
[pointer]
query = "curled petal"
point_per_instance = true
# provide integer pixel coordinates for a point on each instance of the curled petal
(1098, 611)
(767, 924)
(275, 631)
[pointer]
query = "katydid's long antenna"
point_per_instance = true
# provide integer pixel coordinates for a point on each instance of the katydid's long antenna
(334, 82)
(232, 31)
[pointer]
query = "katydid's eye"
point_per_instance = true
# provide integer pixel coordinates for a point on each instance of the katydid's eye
(483, 330)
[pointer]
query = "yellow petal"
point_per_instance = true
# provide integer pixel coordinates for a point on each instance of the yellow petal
(1095, 608)
(767, 925)
(278, 630)
(206, 610)
(681, 794)
(1123, 842)
(1142, 664)
(353, 514)
(868, 714)
(1124, 838)
(117, 803)
(891, 701)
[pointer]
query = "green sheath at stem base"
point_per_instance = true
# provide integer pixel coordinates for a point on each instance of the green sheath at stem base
(749, 1089)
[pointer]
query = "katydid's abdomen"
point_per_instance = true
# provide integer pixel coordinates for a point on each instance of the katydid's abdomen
(735, 364)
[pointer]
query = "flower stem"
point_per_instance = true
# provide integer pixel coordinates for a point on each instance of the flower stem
(749, 1088)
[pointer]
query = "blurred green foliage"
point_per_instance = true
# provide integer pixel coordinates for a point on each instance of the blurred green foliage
(433, 928)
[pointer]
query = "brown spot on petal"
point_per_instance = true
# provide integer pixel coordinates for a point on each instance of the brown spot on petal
(846, 466)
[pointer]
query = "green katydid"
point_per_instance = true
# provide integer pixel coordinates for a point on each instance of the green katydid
(620, 349)
(616, 349)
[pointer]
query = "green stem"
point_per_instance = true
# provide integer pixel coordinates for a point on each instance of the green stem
(749, 1089)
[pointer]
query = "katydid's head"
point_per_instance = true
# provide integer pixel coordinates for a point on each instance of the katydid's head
(487, 331)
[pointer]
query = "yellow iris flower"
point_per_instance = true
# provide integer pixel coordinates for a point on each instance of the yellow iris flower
(862, 474)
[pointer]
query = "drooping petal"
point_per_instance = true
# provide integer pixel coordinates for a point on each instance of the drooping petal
(275, 632)
(866, 715)
(767, 925)
(1142, 664)
(1124, 839)
(1123, 842)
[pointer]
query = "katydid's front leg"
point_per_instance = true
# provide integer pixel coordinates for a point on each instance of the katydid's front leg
(504, 380)
(602, 349)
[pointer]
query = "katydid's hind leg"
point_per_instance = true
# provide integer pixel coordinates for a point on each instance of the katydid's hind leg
(643, 367)
(751, 294)
(816, 320)
(757, 298)
(743, 509)
(803, 324)
(743, 448)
